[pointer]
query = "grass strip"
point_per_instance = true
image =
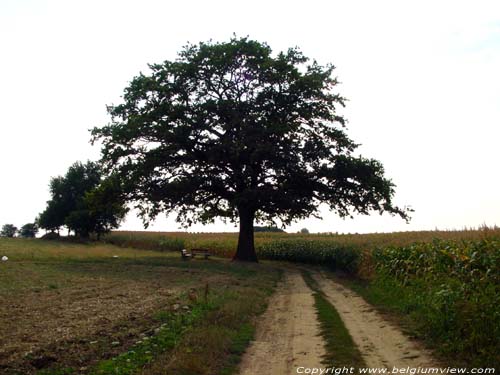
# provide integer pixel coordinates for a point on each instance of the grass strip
(339, 345)
(239, 343)
(173, 326)
(165, 338)
(216, 343)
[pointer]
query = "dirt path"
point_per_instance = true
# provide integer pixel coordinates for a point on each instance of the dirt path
(381, 344)
(288, 333)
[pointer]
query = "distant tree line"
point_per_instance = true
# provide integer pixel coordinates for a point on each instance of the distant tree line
(84, 201)
(27, 230)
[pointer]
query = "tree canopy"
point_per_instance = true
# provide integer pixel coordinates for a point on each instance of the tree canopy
(230, 130)
(28, 230)
(84, 201)
(8, 230)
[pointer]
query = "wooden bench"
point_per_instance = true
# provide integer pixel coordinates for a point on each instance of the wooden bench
(203, 252)
(185, 255)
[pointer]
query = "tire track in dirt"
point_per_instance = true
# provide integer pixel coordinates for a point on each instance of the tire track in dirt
(381, 343)
(287, 333)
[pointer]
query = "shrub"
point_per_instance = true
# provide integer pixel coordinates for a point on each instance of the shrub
(51, 236)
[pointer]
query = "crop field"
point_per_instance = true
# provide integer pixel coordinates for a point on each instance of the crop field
(445, 285)
(130, 305)
(348, 252)
(98, 309)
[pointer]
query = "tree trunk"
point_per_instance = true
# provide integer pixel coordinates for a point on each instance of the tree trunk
(246, 248)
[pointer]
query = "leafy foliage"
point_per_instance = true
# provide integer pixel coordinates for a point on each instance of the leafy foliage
(229, 130)
(28, 230)
(327, 253)
(52, 218)
(100, 210)
(452, 289)
(8, 230)
(67, 194)
(470, 262)
(83, 201)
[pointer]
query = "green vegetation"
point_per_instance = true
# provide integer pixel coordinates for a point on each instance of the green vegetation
(239, 342)
(8, 230)
(85, 201)
(257, 228)
(451, 290)
(173, 326)
(216, 342)
(152, 241)
(324, 252)
(445, 291)
(234, 131)
(443, 284)
(125, 310)
(28, 230)
(340, 348)
(347, 252)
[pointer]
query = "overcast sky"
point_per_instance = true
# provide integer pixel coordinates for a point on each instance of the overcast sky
(422, 79)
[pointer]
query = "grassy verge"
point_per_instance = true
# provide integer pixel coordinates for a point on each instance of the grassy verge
(340, 348)
(215, 343)
(430, 313)
(165, 338)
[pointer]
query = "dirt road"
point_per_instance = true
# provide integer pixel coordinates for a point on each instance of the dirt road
(288, 333)
(380, 342)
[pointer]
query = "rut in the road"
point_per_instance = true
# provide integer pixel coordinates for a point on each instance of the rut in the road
(381, 343)
(288, 332)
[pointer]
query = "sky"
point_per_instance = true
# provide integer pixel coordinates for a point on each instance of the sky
(422, 79)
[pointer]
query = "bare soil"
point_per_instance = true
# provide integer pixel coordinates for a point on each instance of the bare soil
(381, 343)
(288, 332)
(93, 318)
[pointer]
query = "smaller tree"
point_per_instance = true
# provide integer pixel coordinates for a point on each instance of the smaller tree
(52, 218)
(304, 231)
(84, 201)
(105, 206)
(67, 193)
(28, 230)
(8, 230)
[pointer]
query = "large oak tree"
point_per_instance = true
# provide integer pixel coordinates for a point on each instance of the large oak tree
(230, 130)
